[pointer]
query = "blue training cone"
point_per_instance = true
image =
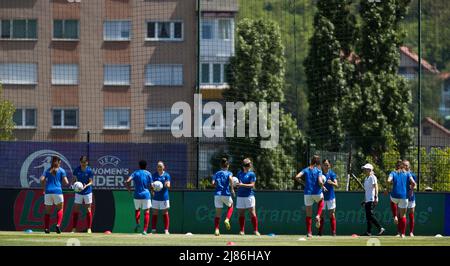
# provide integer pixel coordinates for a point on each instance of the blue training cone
(28, 231)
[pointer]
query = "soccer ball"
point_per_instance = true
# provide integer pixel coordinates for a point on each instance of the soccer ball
(78, 186)
(157, 185)
(235, 181)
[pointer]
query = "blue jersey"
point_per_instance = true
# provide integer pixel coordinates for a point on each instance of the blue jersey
(329, 194)
(312, 176)
(163, 194)
(246, 178)
(222, 182)
(399, 182)
(408, 188)
(83, 177)
(142, 180)
(53, 182)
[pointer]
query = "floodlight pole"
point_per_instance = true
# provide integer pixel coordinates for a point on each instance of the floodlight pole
(199, 15)
(419, 92)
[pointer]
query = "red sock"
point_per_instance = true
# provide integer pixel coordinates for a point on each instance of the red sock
(399, 226)
(89, 219)
(255, 222)
(320, 207)
(75, 220)
(47, 221)
(394, 209)
(216, 222)
(154, 221)
(146, 220)
(137, 216)
(411, 222)
(309, 224)
(321, 225)
(60, 217)
(242, 222)
(403, 225)
(230, 212)
(333, 224)
(166, 221)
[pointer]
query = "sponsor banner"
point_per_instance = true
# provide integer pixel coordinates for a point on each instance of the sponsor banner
(284, 213)
(447, 215)
(22, 163)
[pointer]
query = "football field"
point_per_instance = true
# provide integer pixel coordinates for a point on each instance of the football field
(100, 239)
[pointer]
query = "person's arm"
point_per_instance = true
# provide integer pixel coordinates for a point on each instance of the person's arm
(127, 183)
(299, 176)
(231, 185)
(167, 183)
(42, 179)
(376, 192)
(413, 182)
(333, 182)
(251, 185)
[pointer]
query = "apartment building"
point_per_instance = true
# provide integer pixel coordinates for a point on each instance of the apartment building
(112, 68)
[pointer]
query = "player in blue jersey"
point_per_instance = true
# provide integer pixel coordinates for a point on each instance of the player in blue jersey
(329, 196)
(160, 199)
(83, 174)
(411, 198)
(51, 181)
(246, 196)
(142, 180)
(223, 181)
(314, 184)
(399, 198)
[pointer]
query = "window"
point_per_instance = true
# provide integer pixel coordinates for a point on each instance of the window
(426, 131)
(65, 29)
(164, 75)
(117, 118)
(25, 118)
(18, 29)
(164, 30)
(225, 29)
(65, 74)
(158, 119)
(65, 118)
(214, 73)
(207, 30)
(21, 74)
(205, 73)
(116, 30)
(116, 75)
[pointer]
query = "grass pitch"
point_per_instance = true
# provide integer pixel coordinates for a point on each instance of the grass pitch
(118, 239)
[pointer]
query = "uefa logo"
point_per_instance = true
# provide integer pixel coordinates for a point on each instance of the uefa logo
(36, 163)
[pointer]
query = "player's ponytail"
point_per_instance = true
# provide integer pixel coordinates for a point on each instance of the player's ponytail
(54, 164)
(399, 165)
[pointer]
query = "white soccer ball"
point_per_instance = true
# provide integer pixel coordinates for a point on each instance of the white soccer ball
(157, 186)
(78, 186)
(235, 181)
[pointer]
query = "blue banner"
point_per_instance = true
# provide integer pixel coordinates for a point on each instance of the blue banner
(22, 163)
(447, 215)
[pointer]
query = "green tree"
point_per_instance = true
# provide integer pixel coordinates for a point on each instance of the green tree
(381, 37)
(327, 70)
(6, 118)
(257, 75)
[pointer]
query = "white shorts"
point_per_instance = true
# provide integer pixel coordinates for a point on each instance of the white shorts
(245, 202)
(411, 204)
(310, 199)
(142, 204)
(219, 201)
(53, 199)
(402, 203)
(330, 204)
(80, 199)
(160, 204)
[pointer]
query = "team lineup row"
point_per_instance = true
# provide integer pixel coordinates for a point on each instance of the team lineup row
(151, 191)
